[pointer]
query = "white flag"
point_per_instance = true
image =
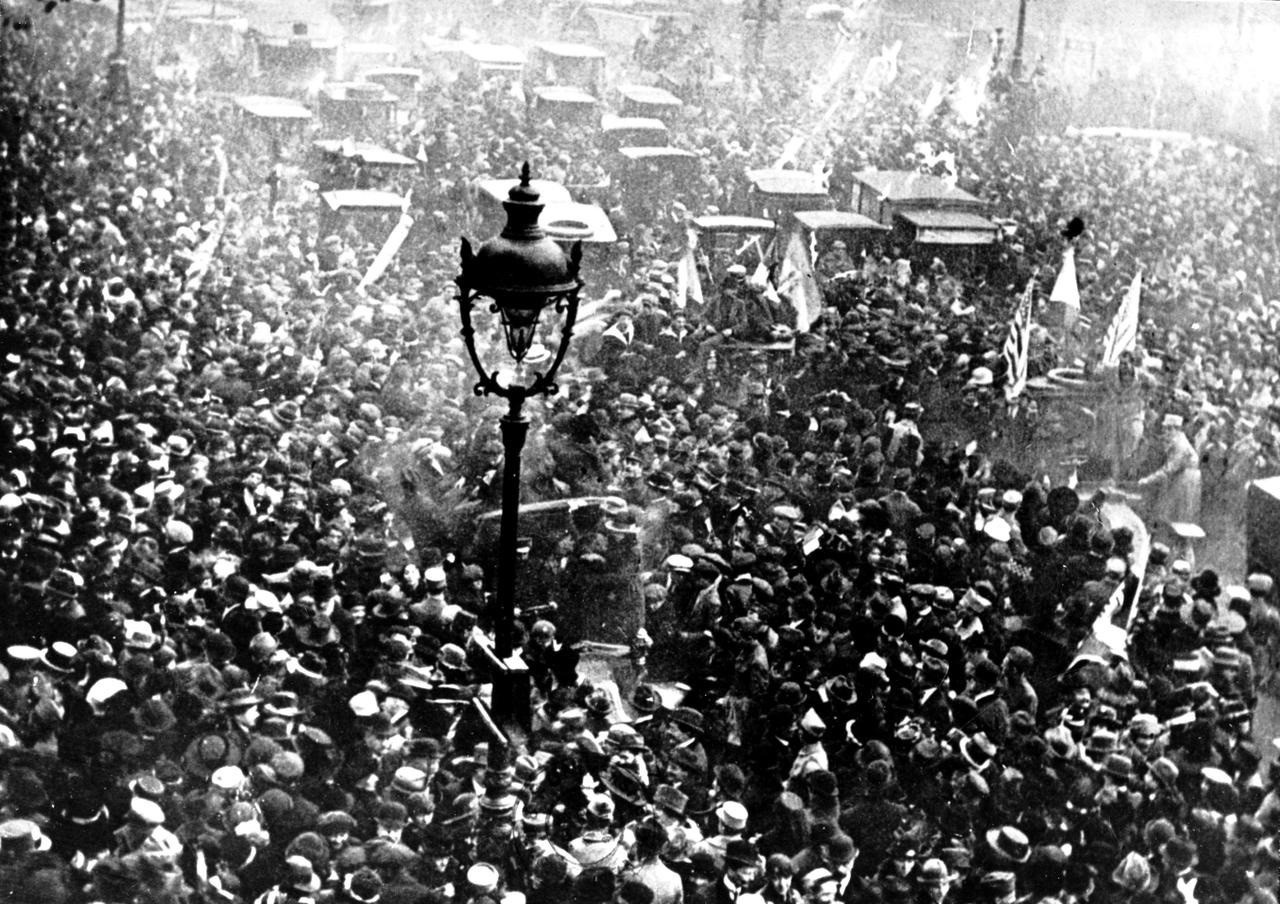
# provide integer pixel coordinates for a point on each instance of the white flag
(1065, 287)
(688, 283)
(1122, 335)
(759, 277)
(933, 101)
(841, 61)
(796, 283)
(390, 247)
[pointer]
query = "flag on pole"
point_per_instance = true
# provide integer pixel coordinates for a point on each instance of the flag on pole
(882, 69)
(1066, 292)
(1122, 335)
(932, 101)
(797, 284)
(839, 63)
(1016, 345)
(688, 284)
(1065, 287)
(390, 247)
(759, 277)
(790, 150)
(202, 258)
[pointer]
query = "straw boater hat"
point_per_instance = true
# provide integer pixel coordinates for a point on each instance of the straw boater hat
(1009, 843)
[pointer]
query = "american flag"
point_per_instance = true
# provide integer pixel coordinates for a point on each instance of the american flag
(1122, 335)
(1016, 344)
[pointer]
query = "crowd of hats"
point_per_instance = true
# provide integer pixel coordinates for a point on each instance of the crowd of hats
(227, 672)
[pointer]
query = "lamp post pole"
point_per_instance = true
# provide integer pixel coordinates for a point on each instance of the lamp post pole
(515, 427)
(520, 272)
(1015, 65)
(117, 66)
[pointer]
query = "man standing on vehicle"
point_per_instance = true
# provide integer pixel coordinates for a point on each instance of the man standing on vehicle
(833, 262)
(1179, 476)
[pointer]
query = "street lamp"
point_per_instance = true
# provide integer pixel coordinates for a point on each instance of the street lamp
(1015, 65)
(118, 64)
(521, 272)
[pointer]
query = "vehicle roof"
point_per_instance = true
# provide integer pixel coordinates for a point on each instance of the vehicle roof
(950, 227)
(268, 107)
(947, 219)
(549, 192)
(611, 122)
(657, 153)
(236, 23)
(495, 54)
(730, 223)
(588, 217)
(312, 41)
(650, 94)
(362, 199)
(786, 182)
(372, 154)
(564, 94)
(906, 185)
(446, 45)
(341, 91)
(818, 220)
(570, 49)
(407, 71)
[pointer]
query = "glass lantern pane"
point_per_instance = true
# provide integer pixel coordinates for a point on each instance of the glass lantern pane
(520, 325)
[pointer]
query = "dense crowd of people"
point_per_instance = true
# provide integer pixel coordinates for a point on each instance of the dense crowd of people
(247, 604)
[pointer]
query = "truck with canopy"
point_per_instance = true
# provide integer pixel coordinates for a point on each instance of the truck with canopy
(484, 61)
(648, 177)
(562, 103)
(292, 63)
(403, 81)
(945, 227)
(632, 131)
(820, 228)
(357, 164)
(280, 119)
(826, 249)
(727, 240)
(923, 209)
(356, 109)
(649, 101)
(776, 193)
(567, 64)
(267, 109)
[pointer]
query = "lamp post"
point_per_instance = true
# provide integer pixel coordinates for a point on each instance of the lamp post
(1015, 64)
(521, 272)
(118, 65)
